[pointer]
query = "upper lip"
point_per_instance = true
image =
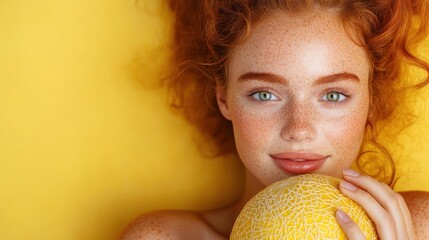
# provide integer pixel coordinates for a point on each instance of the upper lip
(298, 156)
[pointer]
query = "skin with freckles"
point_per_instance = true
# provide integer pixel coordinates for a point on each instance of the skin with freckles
(299, 83)
(277, 102)
(167, 226)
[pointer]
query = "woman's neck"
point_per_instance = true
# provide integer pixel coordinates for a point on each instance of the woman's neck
(252, 187)
(222, 220)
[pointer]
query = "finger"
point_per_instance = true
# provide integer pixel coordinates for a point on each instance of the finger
(385, 196)
(382, 219)
(350, 228)
(405, 213)
(407, 216)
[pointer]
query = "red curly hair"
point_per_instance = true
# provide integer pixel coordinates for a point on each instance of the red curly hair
(206, 31)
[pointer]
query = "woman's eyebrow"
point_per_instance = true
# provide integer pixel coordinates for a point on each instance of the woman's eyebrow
(274, 78)
(336, 77)
(263, 76)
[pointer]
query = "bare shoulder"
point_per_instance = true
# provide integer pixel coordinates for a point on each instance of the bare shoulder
(418, 204)
(169, 225)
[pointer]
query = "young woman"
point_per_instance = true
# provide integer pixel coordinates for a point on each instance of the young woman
(295, 87)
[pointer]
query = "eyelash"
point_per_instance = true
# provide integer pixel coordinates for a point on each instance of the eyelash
(332, 90)
(339, 91)
(251, 93)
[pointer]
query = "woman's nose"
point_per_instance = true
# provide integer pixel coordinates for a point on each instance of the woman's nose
(298, 125)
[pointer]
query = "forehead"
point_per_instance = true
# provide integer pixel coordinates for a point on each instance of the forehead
(303, 46)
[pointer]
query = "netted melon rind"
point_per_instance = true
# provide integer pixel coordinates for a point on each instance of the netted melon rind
(301, 207)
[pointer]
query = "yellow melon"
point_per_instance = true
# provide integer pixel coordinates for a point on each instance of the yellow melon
(301, 207)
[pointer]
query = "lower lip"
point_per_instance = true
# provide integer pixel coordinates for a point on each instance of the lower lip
(299, 167)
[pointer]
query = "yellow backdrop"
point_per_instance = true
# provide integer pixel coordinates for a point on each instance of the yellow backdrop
(86, 140)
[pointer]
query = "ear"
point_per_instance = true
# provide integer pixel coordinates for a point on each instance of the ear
(371, 109)
(221, 101)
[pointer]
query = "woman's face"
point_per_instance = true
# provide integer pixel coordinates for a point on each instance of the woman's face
(297, 95)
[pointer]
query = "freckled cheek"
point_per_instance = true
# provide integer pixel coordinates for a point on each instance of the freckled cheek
(247, 127)
(345, 134)
(251, 129)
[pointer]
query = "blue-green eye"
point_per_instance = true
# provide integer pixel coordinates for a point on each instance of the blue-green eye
(334, 97)
(264, 96)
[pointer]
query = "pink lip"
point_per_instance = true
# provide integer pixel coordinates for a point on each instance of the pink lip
(298, 162)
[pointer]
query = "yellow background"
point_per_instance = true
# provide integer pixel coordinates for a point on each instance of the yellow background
(86, 140)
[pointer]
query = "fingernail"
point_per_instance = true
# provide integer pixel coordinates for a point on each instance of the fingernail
(348, 186)
(351, 173)
(343, 216)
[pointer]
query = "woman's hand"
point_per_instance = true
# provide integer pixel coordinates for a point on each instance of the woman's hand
(384, 206)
